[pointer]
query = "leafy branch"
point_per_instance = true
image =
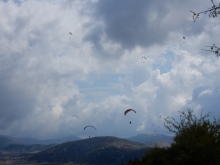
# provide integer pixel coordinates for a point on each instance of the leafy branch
(213, 49)
(213, 12)
(187, 119)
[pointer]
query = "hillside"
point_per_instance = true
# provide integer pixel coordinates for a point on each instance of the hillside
(97, 150)
(26, 148)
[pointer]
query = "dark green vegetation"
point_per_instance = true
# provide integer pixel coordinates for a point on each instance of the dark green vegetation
(196, 141)
(97, 150)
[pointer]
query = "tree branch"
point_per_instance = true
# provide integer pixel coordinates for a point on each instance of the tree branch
(213, 12)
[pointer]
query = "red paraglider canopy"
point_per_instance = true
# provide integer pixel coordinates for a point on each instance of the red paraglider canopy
(128, 110)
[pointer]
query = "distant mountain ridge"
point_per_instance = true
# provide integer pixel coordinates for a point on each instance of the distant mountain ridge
(12, 146)
(151, 139)
(5, 142)
(144, 138)
(30, 141)
(140, 138)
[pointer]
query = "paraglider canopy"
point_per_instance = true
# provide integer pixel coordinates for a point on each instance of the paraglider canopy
(75, 115)
(128, 110)
(90, 126)
(184, 39)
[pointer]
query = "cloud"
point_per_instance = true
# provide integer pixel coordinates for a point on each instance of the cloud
(141, 23)
(98, 72)
(37, 66)
(127, 23)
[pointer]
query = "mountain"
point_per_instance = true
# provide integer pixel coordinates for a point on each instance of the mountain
(46, 141)
(5, 142)
(151, 139)
(12, 146)
(98, 151)
(145, 138)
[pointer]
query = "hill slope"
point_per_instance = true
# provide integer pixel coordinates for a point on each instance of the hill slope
(98, 150)
(26, 148)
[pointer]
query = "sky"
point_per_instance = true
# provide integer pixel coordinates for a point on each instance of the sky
(119, 55)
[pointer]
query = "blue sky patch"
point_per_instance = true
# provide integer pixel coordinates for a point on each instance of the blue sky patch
(164, 63)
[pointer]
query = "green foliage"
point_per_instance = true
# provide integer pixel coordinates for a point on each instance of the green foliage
(196, 141)
(157, 156)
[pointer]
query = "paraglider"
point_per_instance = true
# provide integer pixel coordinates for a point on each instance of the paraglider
(144, 58)
(90, 126)
(128, 110)
(184, 39)
(76, 116)
(70, 34)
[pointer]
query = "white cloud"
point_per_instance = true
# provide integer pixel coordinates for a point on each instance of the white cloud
(205, 92)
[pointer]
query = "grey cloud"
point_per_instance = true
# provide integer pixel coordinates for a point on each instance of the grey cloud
(126, 22)
(16, 99)
(73, 104)
(15, 104)
(141, 23)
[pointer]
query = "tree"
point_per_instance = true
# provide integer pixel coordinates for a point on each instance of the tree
(213, 12)
(196, 141)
